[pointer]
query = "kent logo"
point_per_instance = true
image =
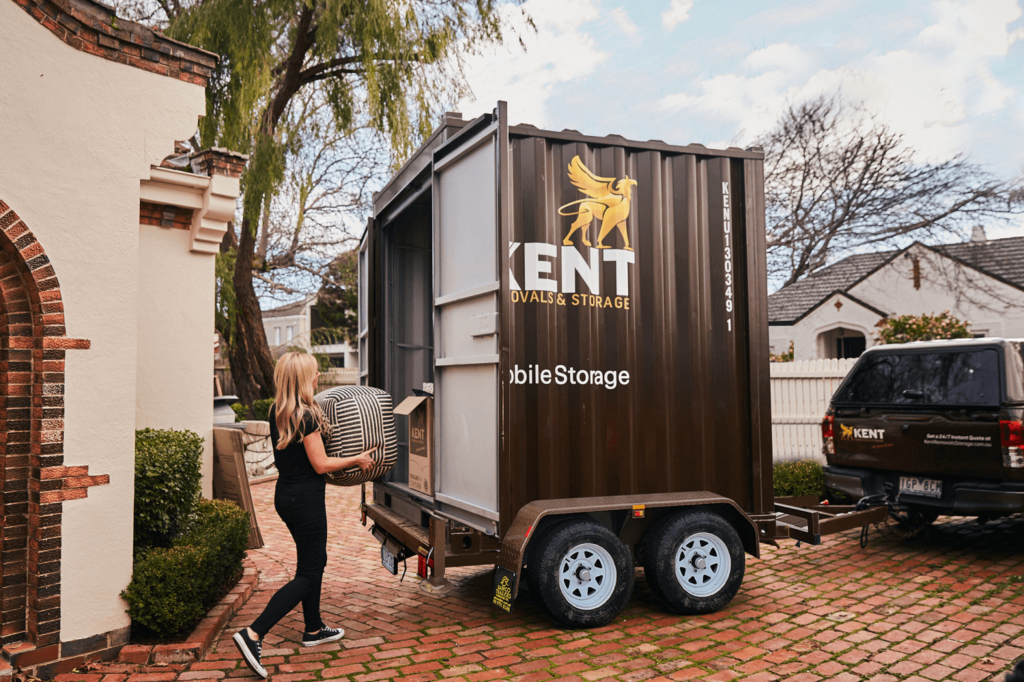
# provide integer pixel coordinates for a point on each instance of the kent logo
(851, 433)
(552, 274)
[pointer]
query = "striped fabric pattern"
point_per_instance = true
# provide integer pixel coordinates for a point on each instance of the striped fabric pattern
(361, 418)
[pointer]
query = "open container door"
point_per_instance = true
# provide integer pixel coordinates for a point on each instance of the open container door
(365, 283)
(467, 284)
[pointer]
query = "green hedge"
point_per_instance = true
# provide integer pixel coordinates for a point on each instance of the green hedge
(241, 411)
(173, 587)
(260, 409)
(803, 477)
(167, 484)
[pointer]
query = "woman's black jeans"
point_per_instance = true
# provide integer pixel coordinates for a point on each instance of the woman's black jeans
(303, 510)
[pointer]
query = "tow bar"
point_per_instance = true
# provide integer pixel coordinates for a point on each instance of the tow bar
(805, 520)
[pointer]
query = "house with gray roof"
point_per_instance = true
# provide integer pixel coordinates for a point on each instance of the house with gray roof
(834, 311)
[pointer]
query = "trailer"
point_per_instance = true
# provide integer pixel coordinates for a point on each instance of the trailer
(579, 327)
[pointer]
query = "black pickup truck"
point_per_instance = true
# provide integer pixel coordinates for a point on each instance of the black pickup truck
(936, 426)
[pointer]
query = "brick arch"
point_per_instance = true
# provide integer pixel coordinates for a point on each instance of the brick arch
(35, 482)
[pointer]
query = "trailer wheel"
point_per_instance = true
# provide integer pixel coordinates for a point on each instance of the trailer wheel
(694, 562)
(581, 574)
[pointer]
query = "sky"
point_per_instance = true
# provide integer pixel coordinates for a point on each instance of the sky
(948, 74)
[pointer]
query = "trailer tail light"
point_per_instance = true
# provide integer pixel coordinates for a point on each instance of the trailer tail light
(422, 564)
(639, 510)
(827, 428)
(1011, 433)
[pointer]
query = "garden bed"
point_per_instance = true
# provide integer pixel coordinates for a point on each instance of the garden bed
(195, 645)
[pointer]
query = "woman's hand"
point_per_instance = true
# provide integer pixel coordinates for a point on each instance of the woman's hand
(323, 464)
(363, 461)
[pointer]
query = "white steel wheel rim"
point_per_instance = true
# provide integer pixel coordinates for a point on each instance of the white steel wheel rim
(587, 576)
(702, 564)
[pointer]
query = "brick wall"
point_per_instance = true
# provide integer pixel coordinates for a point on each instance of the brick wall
(165, 216)
(35, 482)
(94, 28)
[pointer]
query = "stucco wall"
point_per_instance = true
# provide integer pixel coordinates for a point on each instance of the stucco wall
(78, 135)
(805, 333)
(175, 346)
(984, 302)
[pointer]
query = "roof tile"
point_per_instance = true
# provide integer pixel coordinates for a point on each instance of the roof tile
(1001, 258)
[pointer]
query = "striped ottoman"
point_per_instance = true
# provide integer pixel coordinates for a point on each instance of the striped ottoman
(361, 418)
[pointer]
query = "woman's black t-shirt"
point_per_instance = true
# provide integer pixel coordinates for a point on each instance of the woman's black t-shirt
(292, 462)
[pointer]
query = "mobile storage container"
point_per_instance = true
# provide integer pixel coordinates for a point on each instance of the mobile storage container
(588, 317)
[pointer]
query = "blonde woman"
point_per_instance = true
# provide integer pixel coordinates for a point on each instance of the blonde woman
(296, 428)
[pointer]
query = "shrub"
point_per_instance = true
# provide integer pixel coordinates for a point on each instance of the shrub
(907, 328)
(167, 484)
(241, 411)
(803, 477)
(782, 357)
(173, 587)
(224, 527)
(167, 590)
(260, 409)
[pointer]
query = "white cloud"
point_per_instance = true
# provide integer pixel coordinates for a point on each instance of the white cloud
(936, 90)
(557, 52)
(678, 12)
(780, 56)
(619, 17)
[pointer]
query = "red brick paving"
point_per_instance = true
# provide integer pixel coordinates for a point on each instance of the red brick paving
(946, 607)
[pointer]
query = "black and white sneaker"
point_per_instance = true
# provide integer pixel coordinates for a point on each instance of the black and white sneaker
(251, 651)
(325, 635)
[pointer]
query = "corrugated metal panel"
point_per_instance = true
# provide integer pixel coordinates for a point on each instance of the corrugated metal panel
(677, 319)
(695, 413)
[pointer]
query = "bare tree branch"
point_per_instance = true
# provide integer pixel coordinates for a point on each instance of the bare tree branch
(839, 180)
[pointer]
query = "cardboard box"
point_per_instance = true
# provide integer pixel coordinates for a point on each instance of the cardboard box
(420, 410)
(230, 480)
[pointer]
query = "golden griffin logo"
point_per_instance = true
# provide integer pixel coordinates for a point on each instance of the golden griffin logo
(609, 202)
(846, 432)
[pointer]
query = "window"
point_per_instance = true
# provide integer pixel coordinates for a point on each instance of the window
(277, 336)
(950, 378)
(290, 328)
(850, 346)
(841, 343)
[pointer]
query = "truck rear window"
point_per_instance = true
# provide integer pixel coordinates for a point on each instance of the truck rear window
(949, 378)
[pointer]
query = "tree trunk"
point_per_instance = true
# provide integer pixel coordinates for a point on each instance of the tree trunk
(252, 367)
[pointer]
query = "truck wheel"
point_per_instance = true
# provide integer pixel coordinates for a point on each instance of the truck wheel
(581, 573)
(694, 562)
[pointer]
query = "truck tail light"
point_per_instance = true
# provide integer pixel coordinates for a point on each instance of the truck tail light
(827, 428)
(1011, 433)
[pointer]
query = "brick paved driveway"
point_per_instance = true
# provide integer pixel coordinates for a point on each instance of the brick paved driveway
(947, 607)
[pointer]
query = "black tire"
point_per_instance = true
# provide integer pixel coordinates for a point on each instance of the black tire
(552, 565)
(701, 536)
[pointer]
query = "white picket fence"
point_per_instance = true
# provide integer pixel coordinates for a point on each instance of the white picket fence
(801, 392)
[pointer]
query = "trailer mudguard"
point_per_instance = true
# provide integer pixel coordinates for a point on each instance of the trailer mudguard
(515, 541)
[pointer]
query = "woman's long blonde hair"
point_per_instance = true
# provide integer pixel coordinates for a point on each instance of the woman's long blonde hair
(294, 376)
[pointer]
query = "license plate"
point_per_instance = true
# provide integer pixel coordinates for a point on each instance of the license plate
(388, 561)
(925, 487)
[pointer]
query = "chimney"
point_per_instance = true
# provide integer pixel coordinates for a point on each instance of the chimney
(217, 161)
(978, 235)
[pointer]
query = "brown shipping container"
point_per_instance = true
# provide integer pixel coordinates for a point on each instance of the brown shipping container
(685, 319)
(636, 365)
(687, 326)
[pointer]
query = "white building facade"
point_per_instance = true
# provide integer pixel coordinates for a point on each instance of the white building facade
(834, 312)
(295, 325)
(106, 294)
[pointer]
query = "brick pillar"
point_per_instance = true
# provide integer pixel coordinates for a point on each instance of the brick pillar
(217, 161)
(33, 481)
